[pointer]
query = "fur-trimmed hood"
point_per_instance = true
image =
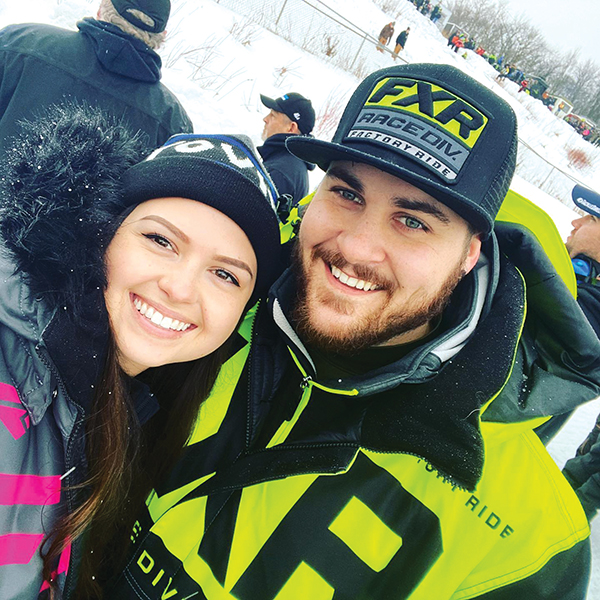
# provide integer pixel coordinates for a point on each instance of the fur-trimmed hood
(60, 200)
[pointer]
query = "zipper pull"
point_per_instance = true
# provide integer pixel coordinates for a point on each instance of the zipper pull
(305, 382)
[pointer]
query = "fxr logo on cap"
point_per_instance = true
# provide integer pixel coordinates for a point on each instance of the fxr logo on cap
(420, 120)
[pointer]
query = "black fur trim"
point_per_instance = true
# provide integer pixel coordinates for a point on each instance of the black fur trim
(60, 198)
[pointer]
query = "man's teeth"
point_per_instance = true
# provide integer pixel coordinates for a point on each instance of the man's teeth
(153, 315)
(359, 284)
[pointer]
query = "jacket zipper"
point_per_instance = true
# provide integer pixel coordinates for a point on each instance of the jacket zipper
(69, 467)
(250, 376)
(308, 381)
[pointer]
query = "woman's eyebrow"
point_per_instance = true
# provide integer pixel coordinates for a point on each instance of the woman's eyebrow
(175, 230)
(234, 262)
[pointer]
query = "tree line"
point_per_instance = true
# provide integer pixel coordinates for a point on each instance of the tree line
(493, 26)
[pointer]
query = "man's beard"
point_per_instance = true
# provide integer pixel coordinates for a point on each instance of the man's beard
(367, 330)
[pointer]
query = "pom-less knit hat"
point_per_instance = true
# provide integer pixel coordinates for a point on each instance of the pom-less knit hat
(433, 126)
(157, 10)
(222, 171)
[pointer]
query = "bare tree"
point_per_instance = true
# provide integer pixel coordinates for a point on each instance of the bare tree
(491, 24)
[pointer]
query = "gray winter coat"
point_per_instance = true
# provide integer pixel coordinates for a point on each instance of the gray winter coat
(40, 437)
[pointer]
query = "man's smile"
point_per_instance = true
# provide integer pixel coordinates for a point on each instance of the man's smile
(353, 282)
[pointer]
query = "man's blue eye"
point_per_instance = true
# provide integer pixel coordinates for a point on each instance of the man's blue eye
(413, 223)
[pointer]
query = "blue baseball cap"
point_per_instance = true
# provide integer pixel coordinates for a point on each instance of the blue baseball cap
(586, 200)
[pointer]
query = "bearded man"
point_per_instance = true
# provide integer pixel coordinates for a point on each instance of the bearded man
(372, 434)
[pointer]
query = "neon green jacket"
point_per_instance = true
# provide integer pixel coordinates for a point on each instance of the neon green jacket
(414, 492)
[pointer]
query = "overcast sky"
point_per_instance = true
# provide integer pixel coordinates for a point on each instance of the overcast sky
(566, 24)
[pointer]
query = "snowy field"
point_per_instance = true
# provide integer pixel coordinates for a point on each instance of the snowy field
(217, 62)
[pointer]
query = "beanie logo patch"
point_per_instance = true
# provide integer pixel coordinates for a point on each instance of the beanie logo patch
(420, 120)
(220, 151)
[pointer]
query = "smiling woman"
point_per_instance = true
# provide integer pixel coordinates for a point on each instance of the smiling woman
(131, 278)
(179, 276)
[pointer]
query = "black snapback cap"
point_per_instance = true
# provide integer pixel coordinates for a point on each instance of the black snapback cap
(157, 10)
(296, 108)
(433, 126)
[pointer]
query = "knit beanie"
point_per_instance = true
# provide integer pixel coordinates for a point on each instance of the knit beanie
(432, 126)
(222, 171)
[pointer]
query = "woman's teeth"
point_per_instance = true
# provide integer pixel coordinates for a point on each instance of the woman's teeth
(353, 282)
(153, 315)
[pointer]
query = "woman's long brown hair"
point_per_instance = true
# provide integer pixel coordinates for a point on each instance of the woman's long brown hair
(122, 467)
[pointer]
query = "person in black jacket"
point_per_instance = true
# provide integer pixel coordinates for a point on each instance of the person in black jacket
(290, 115)
(391, 369)
(109, 62)
(583, 244)
(400, 42)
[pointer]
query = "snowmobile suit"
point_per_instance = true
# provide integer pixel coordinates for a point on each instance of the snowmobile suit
(412, 492)
(583, 470)
(587, 272)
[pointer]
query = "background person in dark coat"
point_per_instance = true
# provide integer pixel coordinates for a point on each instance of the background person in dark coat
(109, 62)
(400, 42)
(583, 245)
(583, 471)
(292, 114)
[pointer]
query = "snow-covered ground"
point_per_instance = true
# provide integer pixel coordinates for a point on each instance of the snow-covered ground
(218, 62)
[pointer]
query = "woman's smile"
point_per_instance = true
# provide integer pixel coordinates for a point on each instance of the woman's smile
(174, 323)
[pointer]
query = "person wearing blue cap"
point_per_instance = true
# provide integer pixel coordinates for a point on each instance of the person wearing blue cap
(374, 438)
(583, 244)
(110, 62)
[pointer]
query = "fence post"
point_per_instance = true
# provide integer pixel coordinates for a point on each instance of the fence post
(359, 49)
(282, 9)
(547, 177)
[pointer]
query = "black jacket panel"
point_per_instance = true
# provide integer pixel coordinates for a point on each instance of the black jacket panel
(289, 173)
(588, 297)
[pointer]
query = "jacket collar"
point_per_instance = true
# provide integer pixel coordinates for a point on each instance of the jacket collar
(276, 144)
(470, 303)
(120, 52)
